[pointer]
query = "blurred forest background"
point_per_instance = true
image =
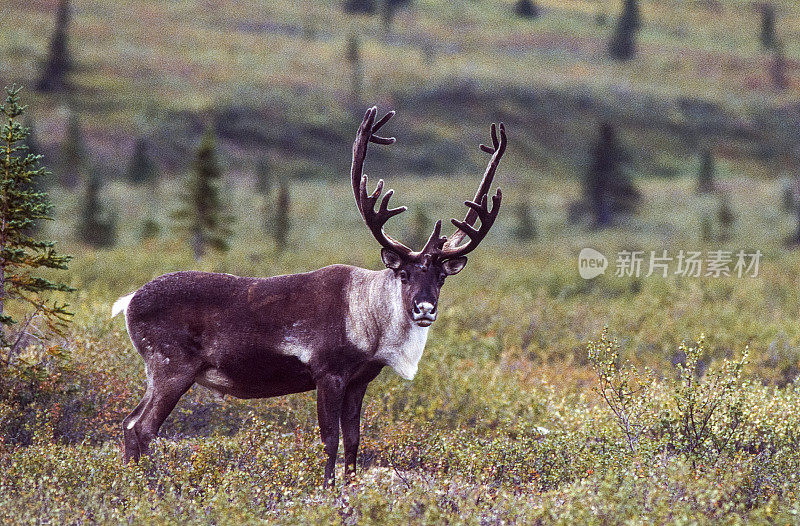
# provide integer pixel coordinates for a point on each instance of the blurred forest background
(122, 93)
(633, 125)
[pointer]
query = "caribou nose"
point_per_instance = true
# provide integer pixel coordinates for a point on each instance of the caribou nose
(425, 307)
(424, 313)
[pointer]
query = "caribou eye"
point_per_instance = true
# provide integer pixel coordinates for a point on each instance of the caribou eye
(403, 276)
(442, 276)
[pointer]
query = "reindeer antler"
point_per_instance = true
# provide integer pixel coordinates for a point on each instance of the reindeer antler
(366, 202)
(478, 207)
(437, 245)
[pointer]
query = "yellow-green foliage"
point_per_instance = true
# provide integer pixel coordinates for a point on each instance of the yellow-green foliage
(506, 419)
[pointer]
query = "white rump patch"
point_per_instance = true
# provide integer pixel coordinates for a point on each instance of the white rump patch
(121, 305)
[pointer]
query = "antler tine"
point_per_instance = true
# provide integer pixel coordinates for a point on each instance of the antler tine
(376, 220)
(475, 236)
(366, 202)
(436, 241)
(478, 207)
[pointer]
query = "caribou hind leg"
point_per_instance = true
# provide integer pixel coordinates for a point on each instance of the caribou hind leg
(351, 427)
(131, 438)
(330, 393)
(166, 393)
(171, 371)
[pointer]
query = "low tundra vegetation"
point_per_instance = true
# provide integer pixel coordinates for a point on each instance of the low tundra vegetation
(524, 410)
(691, 442)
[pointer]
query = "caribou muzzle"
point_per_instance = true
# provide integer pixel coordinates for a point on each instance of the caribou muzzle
(424, 314)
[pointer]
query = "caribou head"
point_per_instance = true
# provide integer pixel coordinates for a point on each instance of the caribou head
(422, 273)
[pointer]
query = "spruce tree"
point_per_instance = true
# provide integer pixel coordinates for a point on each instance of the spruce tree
(706, 228)
(54, 75)
(263, 176)
(20, 207)
(280, 222)
(97, 226)
(705, 173)
(788, 199)
(623, 43)
(767, 36)
(31, 142)
(526, 9)
(73, 154)
(390, 7)
(777, 68)
(607, 188)
(201, 215)
(420, 227)
(365, 7)
(726, 218)
(796, 239)
(526, 226)
(601, 18)
(141, 168)
(150, 228)
(353, 56)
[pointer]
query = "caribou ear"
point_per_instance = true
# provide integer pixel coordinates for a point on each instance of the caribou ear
(391, 259)
(454, 266)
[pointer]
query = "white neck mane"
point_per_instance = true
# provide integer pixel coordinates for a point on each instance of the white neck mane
(378, 325)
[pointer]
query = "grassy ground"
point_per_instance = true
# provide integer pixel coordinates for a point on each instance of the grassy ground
(504, 420)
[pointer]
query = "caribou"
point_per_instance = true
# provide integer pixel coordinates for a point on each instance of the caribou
(332, 329)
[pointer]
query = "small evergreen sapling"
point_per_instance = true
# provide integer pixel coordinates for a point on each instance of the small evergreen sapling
(54, 75)
(526, 9)
(526, 225)
(280, 221)
(623, 43)
(607, 188)
(796, 240)
(353, 56)
(97, 227)
(788, 199)
(705, 173)
(20, 208)
(73, 153)
(777, 68)
(726, 218)
(706, 229)
(263, 176)
(365, 7)
(201, 215)
(420, 227)
(141, 168)
(767, 36)
(390, 7)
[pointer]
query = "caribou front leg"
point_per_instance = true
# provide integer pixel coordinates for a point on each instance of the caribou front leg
(351, 415)
(330, 393)
(351, 426)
